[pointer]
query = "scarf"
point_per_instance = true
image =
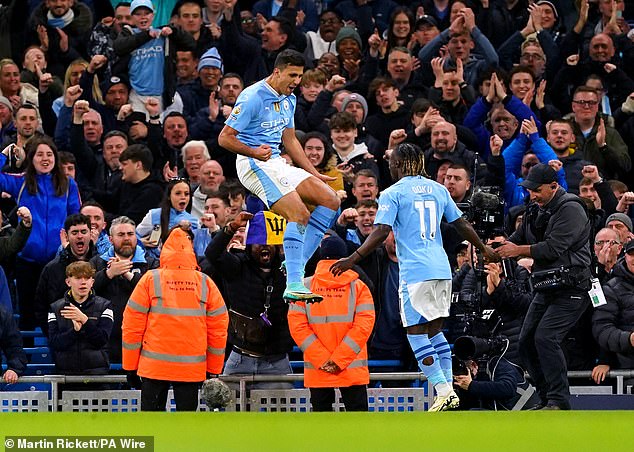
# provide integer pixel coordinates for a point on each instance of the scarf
(60, 22)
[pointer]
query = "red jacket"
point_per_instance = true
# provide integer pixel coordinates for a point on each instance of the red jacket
(335, 329)
(175, 323)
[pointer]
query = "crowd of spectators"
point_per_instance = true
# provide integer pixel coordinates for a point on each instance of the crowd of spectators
(110, 114)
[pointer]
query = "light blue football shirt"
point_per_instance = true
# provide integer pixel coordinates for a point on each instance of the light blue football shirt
(260, 115)
(413, 207)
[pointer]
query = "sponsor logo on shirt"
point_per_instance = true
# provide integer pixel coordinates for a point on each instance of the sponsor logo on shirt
(384, 207)
(274, 123)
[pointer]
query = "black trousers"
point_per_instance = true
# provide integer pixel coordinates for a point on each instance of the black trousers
(550, 317)
(355, 398)
(27, 275)
(154, 395)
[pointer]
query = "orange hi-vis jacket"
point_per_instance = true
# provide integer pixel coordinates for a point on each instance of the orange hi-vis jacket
(335, 329)
(175, 323)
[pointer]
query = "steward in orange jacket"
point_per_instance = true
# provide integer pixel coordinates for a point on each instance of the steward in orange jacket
(174, 325)
(333, 334)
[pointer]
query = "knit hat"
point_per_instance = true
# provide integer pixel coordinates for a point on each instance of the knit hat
(114, 80)
(266, 228)
(211, 58)
(627, 221)
(333, 247)
(7, 102)
(552, 6)
(345, 33)
(141, 3)
(354, 97)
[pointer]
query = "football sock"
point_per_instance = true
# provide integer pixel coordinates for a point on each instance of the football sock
(293, 244)
(423, 349)
(320, 220)
(444, 353)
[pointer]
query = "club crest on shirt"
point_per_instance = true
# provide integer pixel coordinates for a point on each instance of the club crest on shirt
(284, 182)
(286, 105)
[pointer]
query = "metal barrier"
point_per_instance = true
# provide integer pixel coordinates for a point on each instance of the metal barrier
(245, 399)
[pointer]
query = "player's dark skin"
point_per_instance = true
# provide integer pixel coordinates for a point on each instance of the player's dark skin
(380, 233)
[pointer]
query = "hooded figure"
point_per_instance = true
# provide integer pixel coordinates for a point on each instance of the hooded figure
(333, 334)
(174, 328)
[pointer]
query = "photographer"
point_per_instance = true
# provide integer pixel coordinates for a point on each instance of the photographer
(499, 386)
(555, 232)
(508, 294)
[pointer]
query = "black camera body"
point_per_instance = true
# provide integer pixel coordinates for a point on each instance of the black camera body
(485, 211)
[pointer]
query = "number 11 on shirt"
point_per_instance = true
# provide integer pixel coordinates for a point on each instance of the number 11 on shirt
(427, 209)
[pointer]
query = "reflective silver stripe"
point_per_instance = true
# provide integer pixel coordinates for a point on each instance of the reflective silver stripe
(352, 344)
(364, 307)
(307, 342)
(158, 292)
(129, 346)
(297, 308)
(215, 351)
(317, 319)
(178, 312)
(308, 365)
(221, 310)
(356, 363)
(174, 358)
(137, 307)
(203, 295)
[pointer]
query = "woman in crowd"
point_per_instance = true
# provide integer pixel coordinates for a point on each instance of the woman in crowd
(50, 196)
(401, 29)
(157, 223)
(322, 156)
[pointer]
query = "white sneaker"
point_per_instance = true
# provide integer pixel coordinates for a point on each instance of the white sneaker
(444, 403)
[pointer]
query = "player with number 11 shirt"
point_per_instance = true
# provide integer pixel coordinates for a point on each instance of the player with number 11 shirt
(413, 208)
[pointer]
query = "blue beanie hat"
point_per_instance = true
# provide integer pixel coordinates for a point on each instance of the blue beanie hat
(211, 58)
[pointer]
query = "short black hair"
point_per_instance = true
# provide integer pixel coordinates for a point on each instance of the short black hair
(289, 57)
(66, 157)
(115, 133)
(138, 153)
(76, 219)
(222, 194)
(231, 75)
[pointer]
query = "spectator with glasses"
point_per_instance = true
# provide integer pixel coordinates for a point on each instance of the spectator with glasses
(596, 141)
(607, 247)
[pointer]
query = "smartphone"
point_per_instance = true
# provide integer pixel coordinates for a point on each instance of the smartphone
(155, 236)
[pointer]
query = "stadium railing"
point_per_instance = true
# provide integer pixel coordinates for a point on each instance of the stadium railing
(245, 398)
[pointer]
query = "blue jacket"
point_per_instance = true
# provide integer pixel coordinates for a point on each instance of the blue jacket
(514, 193)
(477, 116)
(49, 212)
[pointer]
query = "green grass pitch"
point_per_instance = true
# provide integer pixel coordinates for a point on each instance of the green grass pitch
(426, 432)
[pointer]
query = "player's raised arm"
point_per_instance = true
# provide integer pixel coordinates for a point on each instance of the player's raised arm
(228, 139)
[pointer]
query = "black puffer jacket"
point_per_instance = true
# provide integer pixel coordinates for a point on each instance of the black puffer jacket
(613, 323)
(83, 352)
(118, 291)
